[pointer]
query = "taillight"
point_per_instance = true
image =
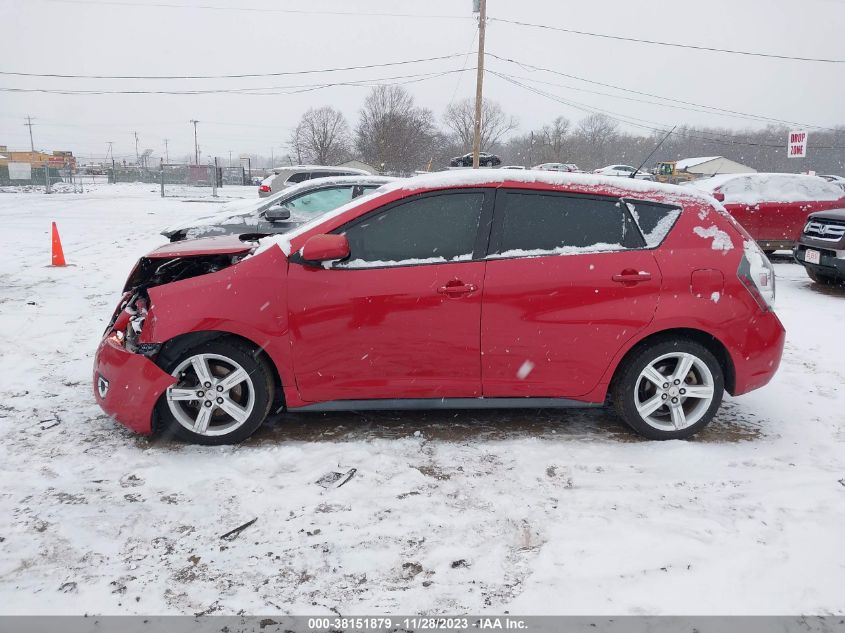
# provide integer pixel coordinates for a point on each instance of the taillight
(264, 188)
(757, 275)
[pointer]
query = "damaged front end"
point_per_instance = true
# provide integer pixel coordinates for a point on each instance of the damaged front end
(127, 382)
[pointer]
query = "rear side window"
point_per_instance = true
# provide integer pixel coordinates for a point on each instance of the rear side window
(300, 176)
(429, 230)
(655, 220)
(549, 224)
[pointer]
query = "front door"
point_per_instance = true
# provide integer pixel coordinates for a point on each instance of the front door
(401, 317)
(569, 280)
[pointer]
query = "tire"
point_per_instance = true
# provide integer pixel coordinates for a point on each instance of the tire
(635, 391)
(489, 163)
(821, 278)
(235, 410)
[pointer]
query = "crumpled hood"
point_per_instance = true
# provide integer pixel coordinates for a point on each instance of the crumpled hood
(224, 245)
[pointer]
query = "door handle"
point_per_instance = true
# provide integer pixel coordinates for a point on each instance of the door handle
(631, 277)
(456, 289)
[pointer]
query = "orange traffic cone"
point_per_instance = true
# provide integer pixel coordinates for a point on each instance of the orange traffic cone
(58, 253)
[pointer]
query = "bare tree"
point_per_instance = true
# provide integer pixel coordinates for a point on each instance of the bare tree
(554, 139)
(460, 119)
(598, 128)
(321, 137)
(596, 139)
(393, 133)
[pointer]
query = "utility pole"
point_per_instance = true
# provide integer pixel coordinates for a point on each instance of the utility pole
(196, 147)
(29, 125)
(272, 160)
(230, 158)
(111, 153)
(137, 157)
(166, 153)
(476, 139)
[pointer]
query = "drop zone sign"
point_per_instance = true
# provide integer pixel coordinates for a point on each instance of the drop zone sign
(797, 147)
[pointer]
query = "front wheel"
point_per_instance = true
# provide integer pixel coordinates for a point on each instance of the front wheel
(669, 389)
(222, 395)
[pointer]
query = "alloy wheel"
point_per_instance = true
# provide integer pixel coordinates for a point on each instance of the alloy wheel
(213, 395)
(674, 391)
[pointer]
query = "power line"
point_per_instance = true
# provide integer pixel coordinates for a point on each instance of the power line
(262, 91)
(209, 7)
(711, 49)
(241, 76)
(630, 120)
(696, 107)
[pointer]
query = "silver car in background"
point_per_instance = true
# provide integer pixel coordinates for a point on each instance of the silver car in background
(284, 177)
(280, 212)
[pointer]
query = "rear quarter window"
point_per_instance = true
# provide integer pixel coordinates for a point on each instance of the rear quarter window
(655, 220)
(301, 176)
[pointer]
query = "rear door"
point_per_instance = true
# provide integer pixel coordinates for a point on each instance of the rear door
(401, 317)
(569, 280)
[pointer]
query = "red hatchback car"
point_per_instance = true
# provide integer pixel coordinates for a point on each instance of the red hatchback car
(456, 290)
(773, 208)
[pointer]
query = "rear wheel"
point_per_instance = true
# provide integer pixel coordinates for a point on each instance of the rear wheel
(669, 389)
(222, 395)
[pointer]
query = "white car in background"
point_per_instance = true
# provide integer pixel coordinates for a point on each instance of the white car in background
(623, 171)
(284, 177)
(567, 167)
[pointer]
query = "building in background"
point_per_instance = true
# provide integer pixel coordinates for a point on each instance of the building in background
(57, 160)
(707, 166)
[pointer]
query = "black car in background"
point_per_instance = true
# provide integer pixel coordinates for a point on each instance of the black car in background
(484, 159)
(821, 247)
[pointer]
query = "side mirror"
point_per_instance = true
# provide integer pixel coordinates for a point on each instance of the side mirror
(323, 248)
(277, 214)
(719, 196)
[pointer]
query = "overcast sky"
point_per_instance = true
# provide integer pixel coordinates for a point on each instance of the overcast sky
(113, 38)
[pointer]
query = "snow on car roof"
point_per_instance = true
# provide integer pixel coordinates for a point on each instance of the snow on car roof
(460, 178)
(709, 184)
(353, 170)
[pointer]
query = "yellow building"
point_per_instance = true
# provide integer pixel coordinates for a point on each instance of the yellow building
(58, 160)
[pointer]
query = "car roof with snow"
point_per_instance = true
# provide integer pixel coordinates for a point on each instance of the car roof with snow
(773, 186)
(586, 183)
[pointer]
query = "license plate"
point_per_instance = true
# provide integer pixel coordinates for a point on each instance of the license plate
(811, 256)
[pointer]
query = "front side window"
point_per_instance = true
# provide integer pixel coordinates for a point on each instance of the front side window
(540, 224)
(428, 230)
(321, 201)
(301, 176)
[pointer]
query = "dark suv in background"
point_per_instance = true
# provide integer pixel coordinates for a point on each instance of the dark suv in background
(821, 248)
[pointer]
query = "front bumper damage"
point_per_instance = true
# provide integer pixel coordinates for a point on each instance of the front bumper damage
(128, 385)
(127, 381)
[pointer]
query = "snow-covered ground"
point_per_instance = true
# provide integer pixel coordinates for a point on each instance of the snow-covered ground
(526, 512)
